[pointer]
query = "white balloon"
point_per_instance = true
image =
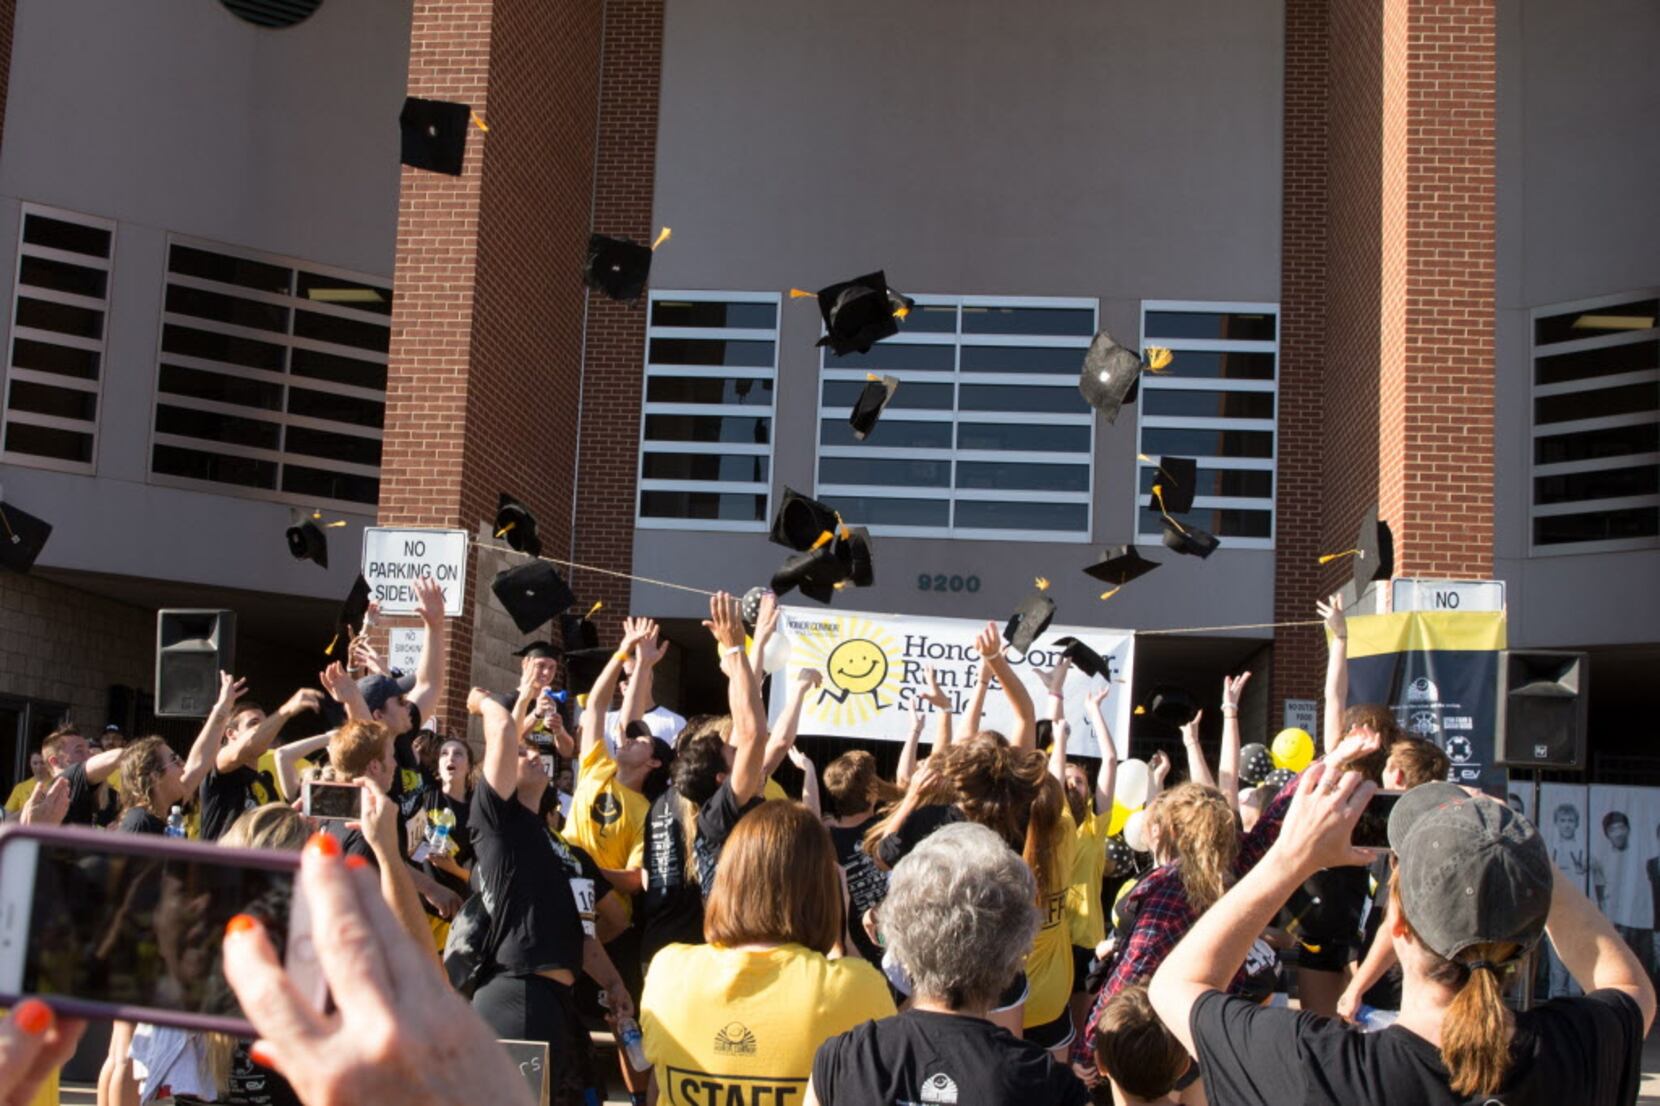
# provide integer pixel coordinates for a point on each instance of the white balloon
(1132, 784)
(1135, 831)
(777, 652)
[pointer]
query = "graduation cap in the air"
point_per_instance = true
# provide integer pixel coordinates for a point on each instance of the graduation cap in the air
(306, 540)
(22, 536)
(858, 313)
(1112, 373)
(873, 400)
(351, 616)
(585, 659)
(1169, 704)
(515, 523)
(1174, 483)
(533, 593)
(1189, 540)
(620, 267)
(578, 631)
(816, 572)
(434, 134)
(1373, 552)
(1084, 659)
(1031, 618)
(1119, 564)
(801, 523)
(853, 549)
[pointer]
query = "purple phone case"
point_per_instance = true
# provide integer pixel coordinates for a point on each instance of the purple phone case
(143, 844)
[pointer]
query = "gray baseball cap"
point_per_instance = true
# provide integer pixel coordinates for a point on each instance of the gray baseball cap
(1472, 870)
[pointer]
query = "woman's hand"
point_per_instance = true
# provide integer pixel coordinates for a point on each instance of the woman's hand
(46, 806)
(989, 642)
(1337, 624)
(1232, 688)
(398, 1033)
(33, 1045)
(725, 621)
(1319, 825)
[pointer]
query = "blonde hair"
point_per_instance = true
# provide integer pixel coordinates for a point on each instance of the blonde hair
(1196, 824)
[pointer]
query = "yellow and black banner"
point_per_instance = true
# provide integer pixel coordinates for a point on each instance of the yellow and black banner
(1439, 672)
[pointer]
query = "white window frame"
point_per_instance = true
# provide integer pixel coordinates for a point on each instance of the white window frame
(1538, 391)
(951, 494)
(53, 380)
(1152, 382)
(280, 457)
(716, 410)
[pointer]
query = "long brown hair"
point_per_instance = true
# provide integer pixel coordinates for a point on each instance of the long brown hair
(855, 787)
(778, 882)
(1197, 825)
(1475, 1030)
(143, 764)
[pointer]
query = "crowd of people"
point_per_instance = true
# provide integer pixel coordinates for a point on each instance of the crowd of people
(976, 929)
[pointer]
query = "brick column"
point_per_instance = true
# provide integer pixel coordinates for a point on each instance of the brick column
(482, 383)
(615, 354)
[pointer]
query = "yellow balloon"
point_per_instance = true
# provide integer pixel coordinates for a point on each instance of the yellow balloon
(1120, 814)
(1293, 749)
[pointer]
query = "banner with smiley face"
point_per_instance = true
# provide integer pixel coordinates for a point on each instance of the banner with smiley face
(875, 668)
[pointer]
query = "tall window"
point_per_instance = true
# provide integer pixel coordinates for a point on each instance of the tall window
(1216, 403)
(271, 378)
(706, 442)
(1596, 425)
(987, 434)
(55, 367)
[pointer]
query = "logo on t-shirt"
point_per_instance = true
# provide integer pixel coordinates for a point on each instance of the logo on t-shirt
(606, 810)
(735, 1040)
(939, 1087)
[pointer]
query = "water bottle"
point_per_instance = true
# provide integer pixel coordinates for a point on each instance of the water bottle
(628, 1035)
(175, 822)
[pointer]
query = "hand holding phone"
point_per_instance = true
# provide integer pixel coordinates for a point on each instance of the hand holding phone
(1372, 831)
(342, 802)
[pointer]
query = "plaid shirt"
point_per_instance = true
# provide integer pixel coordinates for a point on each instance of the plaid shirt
(1163, 916)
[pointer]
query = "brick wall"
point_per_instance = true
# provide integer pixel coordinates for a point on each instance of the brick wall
(614, 364)
(68, 646)
(8, 16)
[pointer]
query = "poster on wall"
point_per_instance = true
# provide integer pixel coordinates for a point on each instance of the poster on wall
(1439, 672)
(1624, 829)
(1564, 816)
(875, 665)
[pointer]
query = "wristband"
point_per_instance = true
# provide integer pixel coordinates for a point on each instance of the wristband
(620, 655)
(730, 649)
(1229, 711)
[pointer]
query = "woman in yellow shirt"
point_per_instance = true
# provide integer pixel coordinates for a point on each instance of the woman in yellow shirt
(744, 1014)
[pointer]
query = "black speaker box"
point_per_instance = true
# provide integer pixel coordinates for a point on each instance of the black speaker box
(1542, 700)
(192, 647)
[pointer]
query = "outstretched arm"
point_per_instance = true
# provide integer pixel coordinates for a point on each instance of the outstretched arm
(907, 755)
(809, 781)
(990, 644)
(501, 755)
(977, 702)
(288, 758)
(766, 625)
(1107, 778)
(1057, 751)
(1227, 761)
(1337, 667)
(429, 673)
(200, 756)
(246, 750)
(743, 694)
(783, 737)
(647, 653)
(1198, 769)
(599, 698)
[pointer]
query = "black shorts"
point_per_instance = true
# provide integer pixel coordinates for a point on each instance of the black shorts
(1052, 1035)
(1082, 958)
(1330, 956)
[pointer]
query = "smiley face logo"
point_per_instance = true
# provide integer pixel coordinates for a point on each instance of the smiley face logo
(857, 666)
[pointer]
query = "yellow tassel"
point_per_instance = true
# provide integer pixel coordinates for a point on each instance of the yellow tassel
(1158, 494)
(904, 312)
(1141, 710)
(872, 377)
(662, 236)
(797, 294)
(503, 531)
(1328, 558)
(335, 525)
(1143, 457)
(480, 123)
(1157, 357)
(1110, 594)
(329, 652)
(1042, 583)
(824, 539)
(593, 610)
(839, 585)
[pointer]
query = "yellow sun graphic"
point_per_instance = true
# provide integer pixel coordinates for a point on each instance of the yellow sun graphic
(857, 657)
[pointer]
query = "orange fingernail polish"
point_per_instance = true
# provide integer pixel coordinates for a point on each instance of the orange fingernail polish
(356, 863)
(259, 1054)
(323, 845)
(241, 924)
(33, 1016)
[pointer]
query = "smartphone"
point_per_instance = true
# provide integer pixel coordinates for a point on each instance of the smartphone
(1372, 831)
(127, 926)
(339, 801)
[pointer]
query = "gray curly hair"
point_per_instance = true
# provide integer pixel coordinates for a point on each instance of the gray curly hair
(960, 916)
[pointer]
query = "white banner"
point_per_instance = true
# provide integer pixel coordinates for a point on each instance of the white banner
(393, 559)
(875, 665)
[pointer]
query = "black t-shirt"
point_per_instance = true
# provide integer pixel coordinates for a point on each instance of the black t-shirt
(1385, 994)
(588, 883)
(534, 918)
(1584, 1051)
(410, 782)
(1327, 909)
(922, 1056)
(83, 797)
(867, 883)
(139, 820)
(672, 907)
(225, 795)
(433, 801)
(923, 821)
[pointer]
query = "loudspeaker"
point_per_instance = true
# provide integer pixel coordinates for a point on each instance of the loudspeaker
(192, 648)
(1542, 699)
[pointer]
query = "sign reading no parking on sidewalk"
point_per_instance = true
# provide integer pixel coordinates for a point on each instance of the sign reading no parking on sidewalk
(394, 559)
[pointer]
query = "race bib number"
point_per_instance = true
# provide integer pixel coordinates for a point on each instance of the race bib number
(582, 890)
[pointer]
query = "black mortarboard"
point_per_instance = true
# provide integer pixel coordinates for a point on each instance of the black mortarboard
(873, 400)
(816, 572)
(434, 134)
(540, 649)
(583, 666)
(578, 631)
(308, 543)
(1111, 373)
(1189, 540)
(22, 536)
(1374, 552)
(515, 523)
(1119, 565)
(618, 267)
(1175, 482)
(532, 593)
(1031, 618)
(352, 613)
(858, 313)
(1084, 659)
(801, 522)
(854, 551)
(1170, 704)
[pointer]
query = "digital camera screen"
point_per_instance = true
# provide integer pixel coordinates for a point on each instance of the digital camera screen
(139, 930)
(334, 800)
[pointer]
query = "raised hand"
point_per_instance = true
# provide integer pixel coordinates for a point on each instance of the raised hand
(934, 697)
(476, 699)
(989, 641)
(1190, 730)
(1159, 764)
(366, 656)
(1361, 741)
(334, 681)
(230, 690)
(47, 804)
(1332, 611)
(1232, 688)
(809, 678)
(307, 698)
(429, 597)
(766, 619)
(1055, 679)
(652, 649)
(1320, 822)
(725, 621)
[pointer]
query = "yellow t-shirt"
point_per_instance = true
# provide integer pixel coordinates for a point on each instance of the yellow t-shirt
(20, 795)
(607, 820)
(1089, 862)
(268, 765)
(1049, 964)
(773, 790)
(729, 1025)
